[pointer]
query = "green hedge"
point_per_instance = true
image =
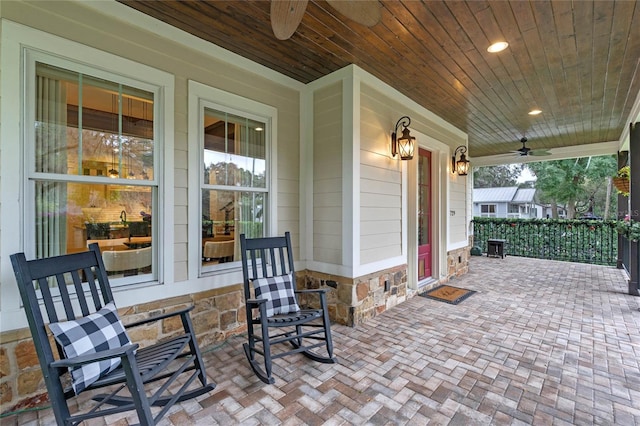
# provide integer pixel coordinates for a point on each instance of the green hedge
(585, 241)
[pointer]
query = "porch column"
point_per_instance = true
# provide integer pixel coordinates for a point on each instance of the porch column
(634, 212)
(623, 210)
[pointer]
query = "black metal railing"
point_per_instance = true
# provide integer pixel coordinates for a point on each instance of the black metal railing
(624, 256)
(630, 261)
(585, 241)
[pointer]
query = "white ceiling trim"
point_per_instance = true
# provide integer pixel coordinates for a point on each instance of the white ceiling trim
(576, 151)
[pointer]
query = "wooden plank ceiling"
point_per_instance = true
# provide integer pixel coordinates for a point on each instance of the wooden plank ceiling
(577, 61)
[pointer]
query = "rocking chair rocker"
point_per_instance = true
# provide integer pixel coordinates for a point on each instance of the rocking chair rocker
(267, 267)
(93, 346)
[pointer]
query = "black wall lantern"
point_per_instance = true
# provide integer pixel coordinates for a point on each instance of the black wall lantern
(462, 165)
(405, 144)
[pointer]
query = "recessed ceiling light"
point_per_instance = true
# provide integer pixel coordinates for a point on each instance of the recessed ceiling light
(497, 47)
(534, 112)
(259, 129)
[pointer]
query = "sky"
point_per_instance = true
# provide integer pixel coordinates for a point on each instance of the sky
(526, 176)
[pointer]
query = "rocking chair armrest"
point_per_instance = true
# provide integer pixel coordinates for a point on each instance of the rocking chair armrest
(309, 291)
(98, 356)
(159, 317)
(256, 302)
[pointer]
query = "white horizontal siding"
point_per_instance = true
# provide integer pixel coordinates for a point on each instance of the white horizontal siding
(380, 185)
(379, 174)
(457, 204)
(381, 240)
(371, 186)
(323, 214)
(328, 255)
(327, 199)
(371, 226)
(327, 174)
(369, 199)
(381, 214)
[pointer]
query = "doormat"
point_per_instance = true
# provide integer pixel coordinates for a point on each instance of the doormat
(448, 294)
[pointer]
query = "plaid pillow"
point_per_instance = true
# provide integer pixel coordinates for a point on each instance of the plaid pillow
(279, 294)
(94, 333)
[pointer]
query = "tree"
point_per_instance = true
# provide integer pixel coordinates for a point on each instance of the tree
(580, 184)
(496, 176)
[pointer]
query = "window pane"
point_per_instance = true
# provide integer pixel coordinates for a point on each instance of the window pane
(424, 201)
(93, 127)
(234, 150)
(226, 215)
(71, 215)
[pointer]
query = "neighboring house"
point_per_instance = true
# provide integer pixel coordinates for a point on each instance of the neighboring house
(547, 211)
(111, 117)
(511, 202)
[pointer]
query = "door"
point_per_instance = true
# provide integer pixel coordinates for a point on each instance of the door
(424, 214)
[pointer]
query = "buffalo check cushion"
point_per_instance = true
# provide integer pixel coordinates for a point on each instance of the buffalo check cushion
(279, 294)
(94, 333)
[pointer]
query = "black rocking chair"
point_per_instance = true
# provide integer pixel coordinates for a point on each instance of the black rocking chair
(78, 305)
(267, 267)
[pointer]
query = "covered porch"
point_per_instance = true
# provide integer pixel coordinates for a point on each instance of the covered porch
(541, 342)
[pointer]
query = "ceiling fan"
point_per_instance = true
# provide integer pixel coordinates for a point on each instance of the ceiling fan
(286, 15)
(526, 151)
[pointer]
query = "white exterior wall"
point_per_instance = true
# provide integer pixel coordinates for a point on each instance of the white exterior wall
(379, 224)
(332, 139)
(327, 174)
(118, 30)
(380, 182)
(459, 216)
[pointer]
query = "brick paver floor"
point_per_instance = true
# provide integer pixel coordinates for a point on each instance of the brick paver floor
(541, 342)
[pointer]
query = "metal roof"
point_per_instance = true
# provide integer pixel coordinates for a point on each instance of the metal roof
(500, 195)
(524, 195)
(508, 194)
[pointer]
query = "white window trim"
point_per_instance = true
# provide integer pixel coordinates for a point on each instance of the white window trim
(201, 95)
(16, 39)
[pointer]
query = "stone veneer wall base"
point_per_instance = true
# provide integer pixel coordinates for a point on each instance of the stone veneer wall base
(217, 315)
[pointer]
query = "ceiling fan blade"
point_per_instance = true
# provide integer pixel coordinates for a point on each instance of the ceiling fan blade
(365, 12)
(286, 15)
(539, 153)
(509, 154)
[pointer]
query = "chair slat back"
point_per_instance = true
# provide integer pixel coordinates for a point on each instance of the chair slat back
(39, 277)
(265, 257)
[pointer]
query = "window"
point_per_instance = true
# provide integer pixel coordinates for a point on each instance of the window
(234, 184)
(91, 165)
(234, 140)
(49, 177)
(487, 210)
